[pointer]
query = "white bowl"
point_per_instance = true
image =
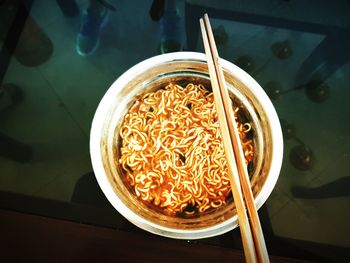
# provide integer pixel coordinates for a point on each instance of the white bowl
(154, 73)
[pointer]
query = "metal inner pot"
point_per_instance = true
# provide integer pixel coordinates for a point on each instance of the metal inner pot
(182, 68)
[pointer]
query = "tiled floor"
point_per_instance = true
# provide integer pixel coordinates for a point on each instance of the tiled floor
(323, 129)
(62, 94)
(41, 120)
(321, 126)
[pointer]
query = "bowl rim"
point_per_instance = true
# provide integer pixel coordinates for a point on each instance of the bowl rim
(103, 181)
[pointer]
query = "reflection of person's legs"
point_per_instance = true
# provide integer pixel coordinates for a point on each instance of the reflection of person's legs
(10, 95)
(157, 9)
(68, 7)
(87, 192)
(170, 28)
(14, 150)
(94, 18)
(337, 188)
(322, 63)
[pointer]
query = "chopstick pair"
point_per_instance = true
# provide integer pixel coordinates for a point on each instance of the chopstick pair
(252, 236)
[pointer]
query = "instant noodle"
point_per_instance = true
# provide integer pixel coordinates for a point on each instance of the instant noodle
(172, 153)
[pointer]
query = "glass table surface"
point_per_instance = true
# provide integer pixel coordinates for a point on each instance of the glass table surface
(56, 65)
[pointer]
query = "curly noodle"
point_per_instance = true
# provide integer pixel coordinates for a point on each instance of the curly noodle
(172, 152)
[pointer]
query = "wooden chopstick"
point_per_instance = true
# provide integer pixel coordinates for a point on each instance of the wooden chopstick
(252, 235)
(258, 236)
